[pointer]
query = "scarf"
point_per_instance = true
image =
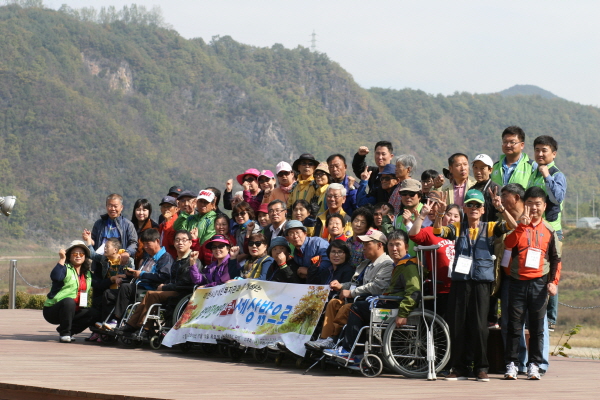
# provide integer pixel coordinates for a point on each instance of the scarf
(288, 189)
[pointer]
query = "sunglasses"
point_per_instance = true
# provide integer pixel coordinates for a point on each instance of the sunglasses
(249, 179)
(264, 180)
(218, 246)
(240, 214)
(319, 174)
(284, 173)
(386, 178)
(411, 194)
(255, 244)
(473, 205)
(306, 164)
(77, 253)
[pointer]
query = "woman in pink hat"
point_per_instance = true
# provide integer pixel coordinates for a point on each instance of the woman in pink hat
(253, 194)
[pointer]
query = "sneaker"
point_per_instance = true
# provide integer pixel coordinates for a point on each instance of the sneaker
(533, 372)
(511, 372)
(493, 325)
(328, 343)
(65, 339)
(340, 352)
(315, 344)
(482, 376)
(542, 372)
(110, 325)
(455, 376)
(551, 326)
(93, 337)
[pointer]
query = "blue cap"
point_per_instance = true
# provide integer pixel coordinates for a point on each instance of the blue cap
(187, 193)
(293, 224)
(278, 241)
(389, 169)
(168, 200)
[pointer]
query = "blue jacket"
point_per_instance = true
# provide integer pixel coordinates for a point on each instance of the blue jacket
(129, 237)
(155, 269)
(314, 257)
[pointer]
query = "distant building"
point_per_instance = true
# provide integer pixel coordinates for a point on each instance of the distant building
(589, 222)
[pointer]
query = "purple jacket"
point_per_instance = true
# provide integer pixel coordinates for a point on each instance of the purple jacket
(213, 274)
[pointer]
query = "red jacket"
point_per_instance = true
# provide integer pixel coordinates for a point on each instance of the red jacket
(167, 234)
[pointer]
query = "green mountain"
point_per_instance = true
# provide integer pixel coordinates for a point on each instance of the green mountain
(528, 90)
(127, 106)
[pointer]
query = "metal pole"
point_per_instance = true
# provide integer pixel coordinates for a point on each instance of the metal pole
(12, 285)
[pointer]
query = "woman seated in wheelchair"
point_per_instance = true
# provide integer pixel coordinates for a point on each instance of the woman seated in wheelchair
(371, 278)
(258, 262)
(405, 282)
(179, 284)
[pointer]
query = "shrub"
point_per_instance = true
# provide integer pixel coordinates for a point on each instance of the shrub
(36, 302)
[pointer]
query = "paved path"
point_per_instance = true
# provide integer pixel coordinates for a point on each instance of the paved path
(31, 358)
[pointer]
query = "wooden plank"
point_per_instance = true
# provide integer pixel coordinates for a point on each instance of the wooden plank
(31, 355)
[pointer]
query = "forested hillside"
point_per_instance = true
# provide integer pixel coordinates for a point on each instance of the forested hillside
(90, 108)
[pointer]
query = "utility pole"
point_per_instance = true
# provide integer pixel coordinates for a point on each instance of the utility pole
(577, 208)
(593, 203)
(313, 41)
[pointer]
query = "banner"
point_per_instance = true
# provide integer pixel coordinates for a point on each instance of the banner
(252, 312)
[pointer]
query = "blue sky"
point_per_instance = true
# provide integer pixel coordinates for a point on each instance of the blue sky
(436, 46)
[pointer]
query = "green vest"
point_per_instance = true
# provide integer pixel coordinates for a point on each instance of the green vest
(70, 286)
(520, 174)
(553, 212)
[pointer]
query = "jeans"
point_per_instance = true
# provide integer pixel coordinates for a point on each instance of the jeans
(527, 301)
(552, 310)
(522, 344)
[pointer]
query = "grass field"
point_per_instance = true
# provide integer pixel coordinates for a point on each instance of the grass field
(579, 285)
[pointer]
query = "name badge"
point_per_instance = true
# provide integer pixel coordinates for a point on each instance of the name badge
(463, 265)
(83, 300)
(533, 258)
(352, 287)
(506, 258)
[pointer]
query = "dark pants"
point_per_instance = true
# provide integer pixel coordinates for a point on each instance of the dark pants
(109, 299)
(69, 321)
(125, 297)
(441, 305)
(360, 314)
(468, 307)
(526, 297)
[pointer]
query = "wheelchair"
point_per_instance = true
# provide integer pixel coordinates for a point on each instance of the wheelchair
(419, 349)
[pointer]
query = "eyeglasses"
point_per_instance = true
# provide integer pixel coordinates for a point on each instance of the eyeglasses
(473, 205)
(386, 178)
(273, 211)
(336, 253)
(333, 196)
(255, 244)
(411, 194)
(218, 246)
(249, 179)
(510, 144)
(240, 214)
(295, 233)
(181, 240)
(77, 253)
(284, 173)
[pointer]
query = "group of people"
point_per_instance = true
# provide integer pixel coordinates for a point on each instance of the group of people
(498, 233)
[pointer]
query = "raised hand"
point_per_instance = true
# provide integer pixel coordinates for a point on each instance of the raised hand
(363, 150)
(544, 170)
(366, 174)
(250, 228)
(438, 182)
(124, 258)
(229, 185)
(406, 216)
(246, 186)
(62, 255)
(525, 217)
(87, 237)
(194, 257)
(496, 199)
(234, 251)
(194, 233)
(426, 209)
(442, 201)
(351, 181)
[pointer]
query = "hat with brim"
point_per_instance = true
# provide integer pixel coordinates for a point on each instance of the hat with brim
(264, 208)
(323, 167)
(373, 234)
(293, 224)
(278, 241)
(446, 173)
(484, 158)
(474, 196)
(79, 243)
(252, 171)
(217, 239)
(305, 157)
(186, 193)
(168, 200)
(410, 185)
(389, 169)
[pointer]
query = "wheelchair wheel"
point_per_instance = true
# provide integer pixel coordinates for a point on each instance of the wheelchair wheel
(155, 342)
(405, 348)
(260, 355)
(371, 366)
(108, 339)
(180, 308)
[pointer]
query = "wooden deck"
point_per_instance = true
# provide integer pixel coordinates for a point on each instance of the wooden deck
(33, 365)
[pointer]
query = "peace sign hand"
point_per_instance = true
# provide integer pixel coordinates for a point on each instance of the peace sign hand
(366, 175)
(525, 218)
(496, 199)
(442, 201)
(426, 209)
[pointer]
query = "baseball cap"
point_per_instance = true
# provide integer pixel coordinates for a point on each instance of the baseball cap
(206, 195)
(216, 239)
(411, 185)
(389, 169)
(168, 200)
(484, 158)
(186, 193)
(474, 195)
(175, 190)
(267, 173)
(283, 166)
(373, 234)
